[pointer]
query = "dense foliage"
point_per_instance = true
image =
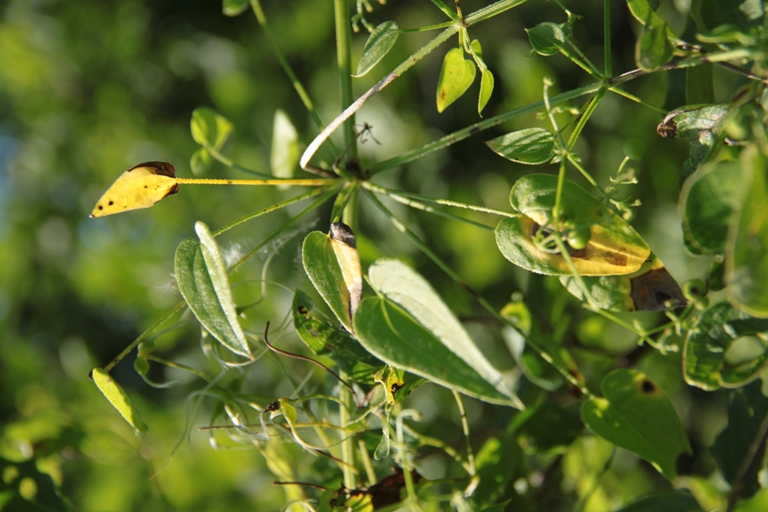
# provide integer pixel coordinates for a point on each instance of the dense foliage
(382, 303)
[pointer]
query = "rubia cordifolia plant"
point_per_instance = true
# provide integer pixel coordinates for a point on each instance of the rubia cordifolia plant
(384, 340)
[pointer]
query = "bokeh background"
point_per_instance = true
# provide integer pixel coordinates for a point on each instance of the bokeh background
(91, 88)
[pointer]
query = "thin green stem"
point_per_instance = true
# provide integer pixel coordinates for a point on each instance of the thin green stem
(270, 209)
(581, 60)
(342, 11)
(491, 11)
(229, 163)
(397, 195)
(288, 225)
(447, 10)
(347, 446)
(608, 67)
(298, 87)
(585, 173)
(462, 134)
(637, 100)
(144, 336)
(427, 28)
(465, 429)
(591, 106)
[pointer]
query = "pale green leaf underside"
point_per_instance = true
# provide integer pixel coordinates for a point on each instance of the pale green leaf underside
(379, 43)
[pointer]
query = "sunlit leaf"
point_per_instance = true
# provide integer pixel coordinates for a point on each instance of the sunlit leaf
(119, 399)
(747, 410)
(644, 11)
(709, 348)
(210, 128)
(546, 38)
(614, 248)
(456, 75)
(379, 43)
(408, 326)
(650, 288)
(323, 269)
(497, 462)
(529, 146)
(326, 340)
(139, 187)
(708, 200)
(636, 415)
(486, 89)
(202, 278)
(747, 254)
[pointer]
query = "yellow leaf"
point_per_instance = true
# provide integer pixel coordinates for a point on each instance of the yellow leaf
(118, 398)
(345, 247)
(138, 187)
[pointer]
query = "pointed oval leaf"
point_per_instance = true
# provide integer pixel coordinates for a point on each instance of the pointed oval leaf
(530, 146)
(140, 186)
(614, 248)
(210, 128)
(381, 40)
(410, 299)
(705, 361)
(119, 399)
(326, 340)
(747, 261)
(644, 11)
(636, 415)
(546, 38)
(486, 89)
(324, 271)
(387, 331)
(202, 279)
(707, 201)
(456, 75)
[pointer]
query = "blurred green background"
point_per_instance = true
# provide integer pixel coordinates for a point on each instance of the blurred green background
(91, 88)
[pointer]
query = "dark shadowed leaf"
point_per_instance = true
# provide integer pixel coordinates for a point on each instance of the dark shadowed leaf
(636, 415)
(671, 501)
(546, 38)
(707, 362)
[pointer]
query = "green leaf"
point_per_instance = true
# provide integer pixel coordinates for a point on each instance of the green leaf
(654, 48)
(708, 200)
(636, 415)
(747, 409)
(141, 365)
(651, 288)
(284, 156)
(529, 146)
(486, 89)
(644, 11)
(408, 326)
(699, 87)
(747, 254)
(119, 399)
(381, 40)
(326, 340)
(546, 428)
(234, 7)
(703, 127)
(456, 75)
(202, 278)
(210, 128)
(200, 162)
(323, 270)
(669, 501)
(710, 350)
(497, 463)
(614, 248)
(546, 38)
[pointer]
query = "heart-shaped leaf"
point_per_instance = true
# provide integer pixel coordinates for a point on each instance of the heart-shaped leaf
(546, 38)
(456, 76)
(209, 128)
(636, 415)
